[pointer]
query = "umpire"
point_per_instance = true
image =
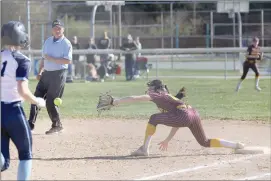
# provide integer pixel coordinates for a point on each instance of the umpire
(56, 55)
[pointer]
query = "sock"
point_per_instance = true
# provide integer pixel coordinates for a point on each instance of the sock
(24, 170)
(239, 83)
(223, 143)
(257, 81)
(150, 130)
(2, 161)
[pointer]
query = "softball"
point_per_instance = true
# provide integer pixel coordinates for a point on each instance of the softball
(57, 101)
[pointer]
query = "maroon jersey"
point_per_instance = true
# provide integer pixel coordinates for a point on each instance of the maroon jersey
(166, 102)
(174, 115)
(253, 54)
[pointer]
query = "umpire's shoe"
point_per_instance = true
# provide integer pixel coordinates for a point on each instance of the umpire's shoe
(54, 130)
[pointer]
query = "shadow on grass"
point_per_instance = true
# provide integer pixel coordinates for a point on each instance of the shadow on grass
(125, 157)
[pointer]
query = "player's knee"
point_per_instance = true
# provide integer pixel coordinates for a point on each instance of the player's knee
(257, 74)
(243, 76)
(153, 120)
(5, 165)
(25, 155)
(205, 143)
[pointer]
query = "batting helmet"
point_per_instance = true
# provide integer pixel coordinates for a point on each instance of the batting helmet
(13, 33)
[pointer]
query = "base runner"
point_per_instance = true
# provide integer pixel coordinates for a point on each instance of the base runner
(15, 68)
(174, 113)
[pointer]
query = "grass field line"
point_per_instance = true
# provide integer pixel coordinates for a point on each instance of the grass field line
(256, 176)
(191, 169)
(207, 77)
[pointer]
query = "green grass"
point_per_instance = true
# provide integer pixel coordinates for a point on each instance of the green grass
(214, 99)
(180, 72)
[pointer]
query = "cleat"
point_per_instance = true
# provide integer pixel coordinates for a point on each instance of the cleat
(140, 152)
(240, 146)
(258, 88)
(54, 130)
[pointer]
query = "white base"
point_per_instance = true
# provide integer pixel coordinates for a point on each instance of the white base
(253, 150)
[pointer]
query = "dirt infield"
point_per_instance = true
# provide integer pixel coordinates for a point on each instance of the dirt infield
(99, 149)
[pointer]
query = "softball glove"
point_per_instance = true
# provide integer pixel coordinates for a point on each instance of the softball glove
(181, 94)
(105, 102)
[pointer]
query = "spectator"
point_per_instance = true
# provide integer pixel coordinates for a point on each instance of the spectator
(104, 43)
(78, 70)
(138, 55)
(129, 58)
(91, 62)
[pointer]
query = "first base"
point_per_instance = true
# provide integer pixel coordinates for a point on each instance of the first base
(253, 150)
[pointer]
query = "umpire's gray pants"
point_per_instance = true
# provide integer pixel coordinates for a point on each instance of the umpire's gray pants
(50, 86)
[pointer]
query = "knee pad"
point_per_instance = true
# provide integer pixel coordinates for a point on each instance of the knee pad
(25, 155)
(6, 165)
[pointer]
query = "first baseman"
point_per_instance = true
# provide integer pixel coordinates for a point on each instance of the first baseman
(15, 68)
(57, 54)
(174, 113)
(253, 55)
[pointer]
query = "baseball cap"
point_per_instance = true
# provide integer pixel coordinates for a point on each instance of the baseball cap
(57, 23)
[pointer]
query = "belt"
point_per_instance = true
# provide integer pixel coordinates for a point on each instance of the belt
(251, 61)
(11, 103)
(180, 107)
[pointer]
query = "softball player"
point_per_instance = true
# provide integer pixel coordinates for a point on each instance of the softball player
(14, 88)
(57, 54)
(253, 54)
(174, 113)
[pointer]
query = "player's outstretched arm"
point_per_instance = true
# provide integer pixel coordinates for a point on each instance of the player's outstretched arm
(24, 91)
(106, 101)
(131, 99)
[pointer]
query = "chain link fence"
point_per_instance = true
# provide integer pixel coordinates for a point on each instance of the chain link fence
(177, 29)
(186, 30)
(181, 29)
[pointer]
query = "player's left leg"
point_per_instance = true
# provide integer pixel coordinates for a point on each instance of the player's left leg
(257, 76)
(5, 139)
(197, 130)
(19, 132)
(246, 67)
